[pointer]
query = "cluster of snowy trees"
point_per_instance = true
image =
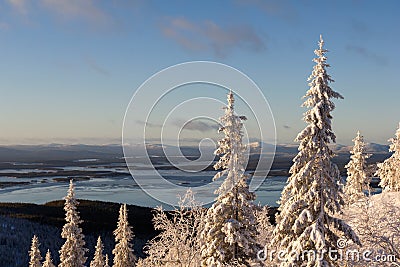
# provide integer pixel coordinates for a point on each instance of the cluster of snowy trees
(359, 174)
(374, 218)
(72, 252)
(234, 230)
(311, 204)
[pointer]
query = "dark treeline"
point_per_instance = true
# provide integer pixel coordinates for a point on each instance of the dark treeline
(20, 221)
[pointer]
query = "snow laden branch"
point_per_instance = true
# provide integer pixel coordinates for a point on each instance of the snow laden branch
(229, 232)
(313, 194)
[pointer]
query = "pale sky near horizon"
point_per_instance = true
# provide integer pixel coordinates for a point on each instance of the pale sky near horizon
(70, 67)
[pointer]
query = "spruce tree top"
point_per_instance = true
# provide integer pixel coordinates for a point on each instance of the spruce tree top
(318, 133)
(388, 170)
(395, 146)
(318, 98)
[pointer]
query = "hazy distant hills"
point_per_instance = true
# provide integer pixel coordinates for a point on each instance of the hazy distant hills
(38, 153)
(59, 152)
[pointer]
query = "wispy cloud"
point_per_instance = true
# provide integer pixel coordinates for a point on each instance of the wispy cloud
(72, 9)
(380, 60)
(95, 66)
(21, 6)
(147, 124)
(208, 35)
(279, 8)
(69, 10)
(197, 125)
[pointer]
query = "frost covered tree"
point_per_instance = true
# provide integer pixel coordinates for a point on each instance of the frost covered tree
(34, 253)
(229, 233)
(98, 259)
(264, 235)
(358, 179)
(72, 253)
(48, 262)
(123, 251)
(106, 261)
(313, 194)
(178, 243)
(264, 227)
(389, 170)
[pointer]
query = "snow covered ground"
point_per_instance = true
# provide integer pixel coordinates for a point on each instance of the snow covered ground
(376, 221)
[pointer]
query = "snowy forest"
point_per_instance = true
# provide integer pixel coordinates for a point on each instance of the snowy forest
(321, 220)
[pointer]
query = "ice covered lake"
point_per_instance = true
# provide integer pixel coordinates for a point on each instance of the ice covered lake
(121, 189)
(115, 185)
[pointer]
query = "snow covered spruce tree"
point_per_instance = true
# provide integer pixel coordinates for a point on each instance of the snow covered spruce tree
(123, 251)
(264, 227)
(312, 195)
(48, 262)
(106, 261)
(34, 253)
(358, 179)
(72, 253)
(229, 229)
(389, 170)
(98, 259)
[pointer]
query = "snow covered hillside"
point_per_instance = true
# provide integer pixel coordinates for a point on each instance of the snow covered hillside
(376, 220)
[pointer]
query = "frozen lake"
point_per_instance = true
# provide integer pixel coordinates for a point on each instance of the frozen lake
(123, 189)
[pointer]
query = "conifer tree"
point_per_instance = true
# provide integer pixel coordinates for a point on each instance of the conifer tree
(48, 262)
(98, 259)
(106, 261)
(123, 251)
(264, 227)
(358, 179)
(313, 196)
(72, 253)
(229, 231)
(389, 170)
(34, 253)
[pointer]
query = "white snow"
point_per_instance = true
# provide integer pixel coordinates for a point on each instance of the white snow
(389, 170)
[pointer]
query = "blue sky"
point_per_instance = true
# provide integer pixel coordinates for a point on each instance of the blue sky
(69, 67)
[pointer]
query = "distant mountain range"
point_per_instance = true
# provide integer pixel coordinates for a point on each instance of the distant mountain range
(60, 152)
(292, 149)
